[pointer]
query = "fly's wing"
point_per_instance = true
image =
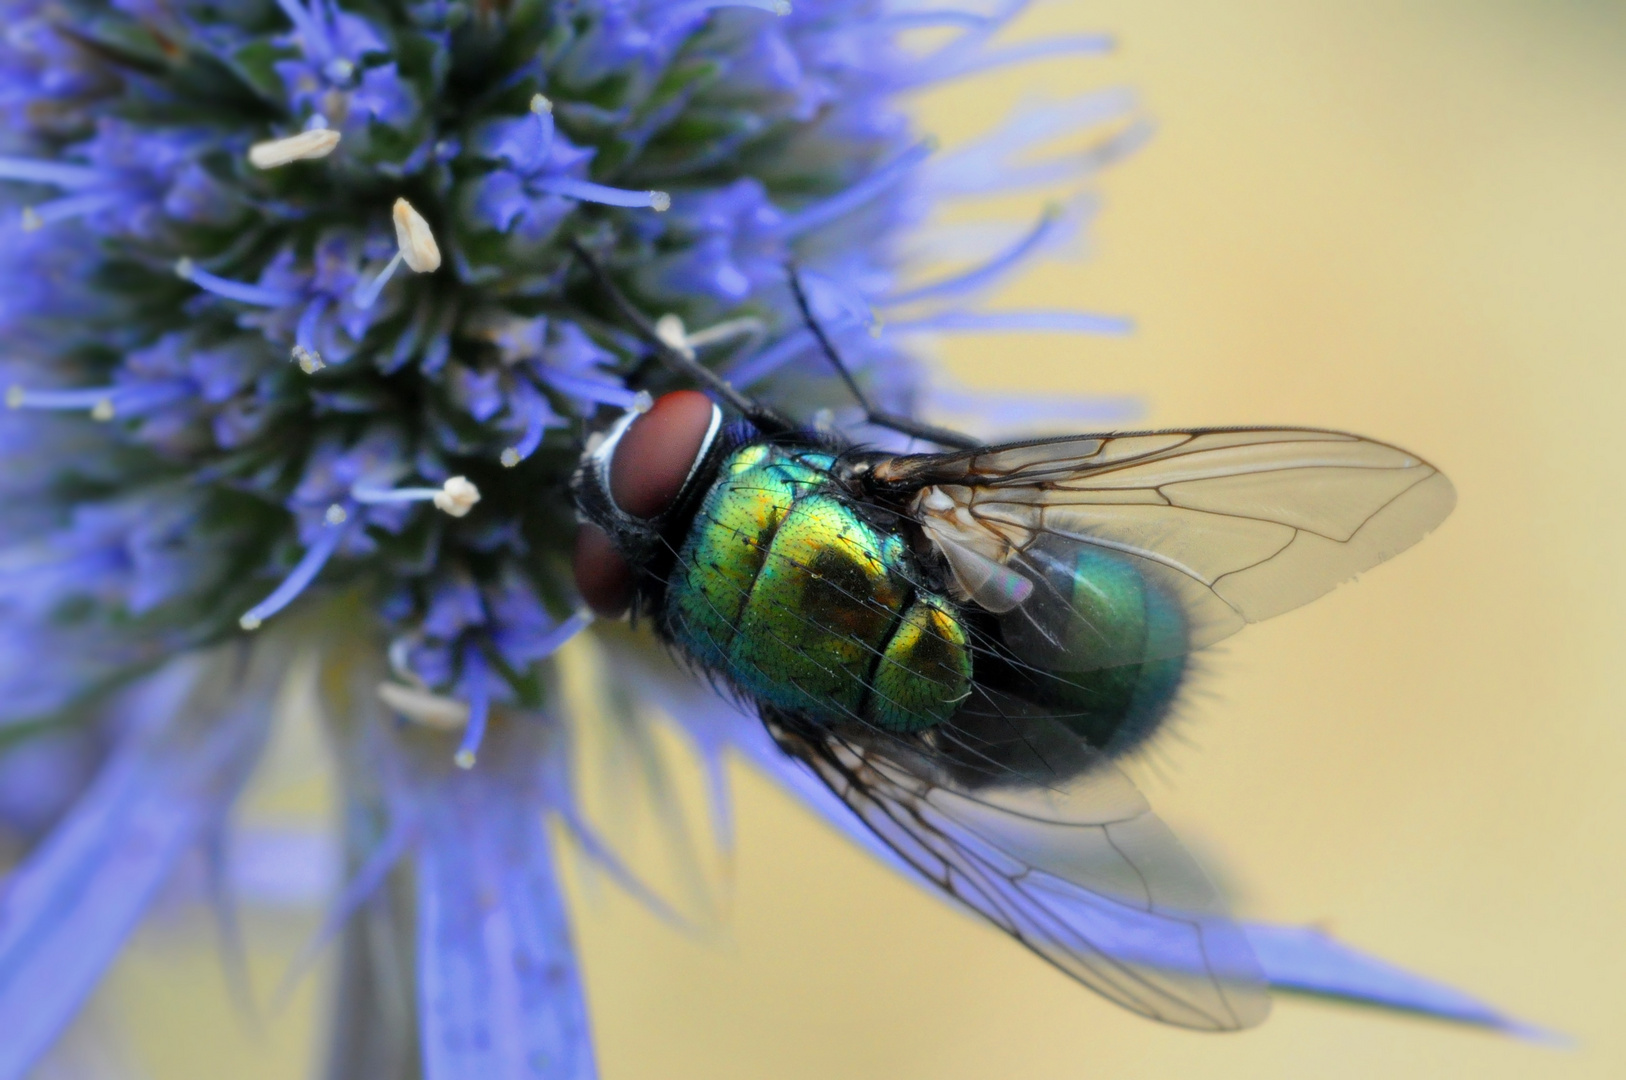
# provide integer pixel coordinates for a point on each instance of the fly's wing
(1082, 874)
(1230, 526)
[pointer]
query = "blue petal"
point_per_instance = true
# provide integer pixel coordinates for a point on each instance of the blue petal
(760, 365)
(993, 270)
(1009, 157)
(498, 199)
(1021, 322)
(718, 727)
(997, 412)
(66, 911)
(960, 65)
(499, 990)
(44, 666)
(454, 606)
(826, 210)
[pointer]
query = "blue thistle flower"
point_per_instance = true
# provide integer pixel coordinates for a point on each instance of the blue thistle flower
(297, 359)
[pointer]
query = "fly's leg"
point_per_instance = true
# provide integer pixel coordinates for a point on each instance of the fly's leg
(766, 420)
(903, 425)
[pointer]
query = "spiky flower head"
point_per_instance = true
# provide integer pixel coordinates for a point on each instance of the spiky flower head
(304, 270)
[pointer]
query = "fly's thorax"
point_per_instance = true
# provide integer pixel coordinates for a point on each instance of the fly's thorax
(824, 603)
(809, 603)
(635, 487)
(727, 544)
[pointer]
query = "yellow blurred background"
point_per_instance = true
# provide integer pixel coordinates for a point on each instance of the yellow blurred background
(1407, 220)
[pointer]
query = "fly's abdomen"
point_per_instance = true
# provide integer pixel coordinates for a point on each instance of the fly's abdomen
(1117, 672)
(925, 670)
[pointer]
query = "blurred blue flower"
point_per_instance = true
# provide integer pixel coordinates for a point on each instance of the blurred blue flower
(297, 361)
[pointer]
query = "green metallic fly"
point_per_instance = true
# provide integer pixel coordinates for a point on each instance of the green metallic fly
(959, 644)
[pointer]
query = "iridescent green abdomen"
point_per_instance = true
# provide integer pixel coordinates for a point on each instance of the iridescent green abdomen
(781, 586)
(1124, 654)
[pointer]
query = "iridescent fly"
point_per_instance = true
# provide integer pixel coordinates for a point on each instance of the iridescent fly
(959, 644)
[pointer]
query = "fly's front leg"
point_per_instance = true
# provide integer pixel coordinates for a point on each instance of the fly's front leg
(768, 421)
(903, 425)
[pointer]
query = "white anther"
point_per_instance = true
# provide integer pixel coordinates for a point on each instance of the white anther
(669, 328)
(457, 496)
(309, 362)
(463, 759)
(416, 242)
(32, 222)
(183, 268)
(425, 708)
(306, 146)
(249, 622)
(14, 397)
(824, 420)
(540, 105)
(509, 458)
(336, 515)
(782, 8)
(660, 201)
(643, 401)
(415, 246)
(102, 410)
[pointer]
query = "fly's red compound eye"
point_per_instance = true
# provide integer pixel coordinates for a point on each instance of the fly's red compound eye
(657, 453)
(603, 577)
(648, 467)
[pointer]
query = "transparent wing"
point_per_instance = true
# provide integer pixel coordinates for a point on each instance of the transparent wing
(1231, 525)
(1083, 874)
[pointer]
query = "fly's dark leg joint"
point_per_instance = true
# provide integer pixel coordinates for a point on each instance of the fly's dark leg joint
(765, 419)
